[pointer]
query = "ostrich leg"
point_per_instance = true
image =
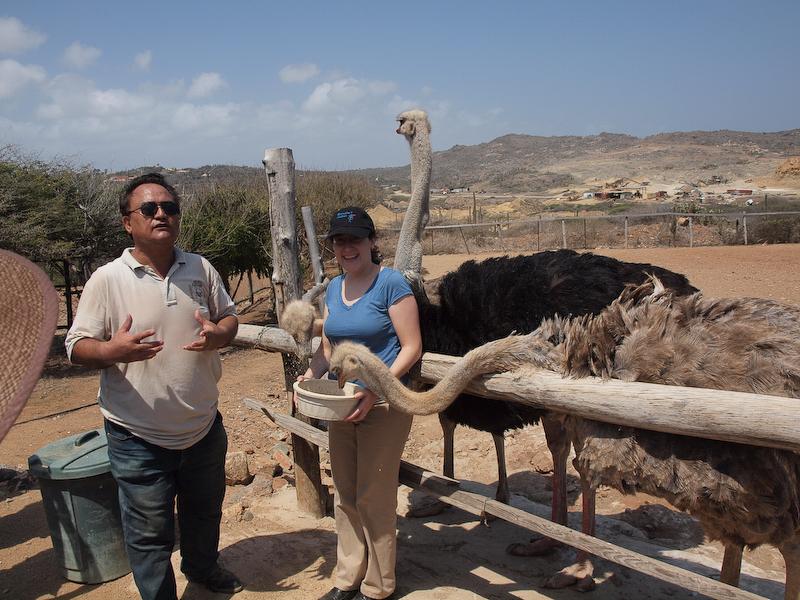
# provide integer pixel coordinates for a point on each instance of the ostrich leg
(731, 565)
(558, 442)
(448, 437)
(428, 507)
(580, 573)
(502, 494)
(791, 557)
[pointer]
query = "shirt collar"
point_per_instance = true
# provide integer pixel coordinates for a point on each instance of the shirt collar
(127, 258)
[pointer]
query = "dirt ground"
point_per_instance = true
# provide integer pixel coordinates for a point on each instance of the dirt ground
(280, 552)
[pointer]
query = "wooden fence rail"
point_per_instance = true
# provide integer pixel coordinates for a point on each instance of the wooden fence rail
(448, 491)
(709, 414)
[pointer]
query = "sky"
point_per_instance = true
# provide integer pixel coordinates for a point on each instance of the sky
(186, 84)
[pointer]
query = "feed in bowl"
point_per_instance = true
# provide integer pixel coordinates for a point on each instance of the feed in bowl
(323, 399)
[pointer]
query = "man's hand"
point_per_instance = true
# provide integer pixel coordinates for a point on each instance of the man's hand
(366, 400)
(126, 347)
(211, 335)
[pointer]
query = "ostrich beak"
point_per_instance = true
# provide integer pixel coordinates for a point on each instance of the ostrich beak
(340, 378)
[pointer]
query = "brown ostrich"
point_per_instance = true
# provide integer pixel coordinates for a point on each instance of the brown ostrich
(742, 495)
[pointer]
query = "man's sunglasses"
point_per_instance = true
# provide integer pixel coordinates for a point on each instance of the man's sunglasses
(149, 209)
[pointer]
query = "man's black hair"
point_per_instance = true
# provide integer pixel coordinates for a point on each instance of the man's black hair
(156, 178)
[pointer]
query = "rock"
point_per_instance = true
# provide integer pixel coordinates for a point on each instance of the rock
(282, 459)
(279, 483)
(261, 486)
(282, 448)
(789, 168)
(237, 471)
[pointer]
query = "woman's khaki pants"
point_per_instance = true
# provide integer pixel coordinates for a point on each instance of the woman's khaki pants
(365, 462)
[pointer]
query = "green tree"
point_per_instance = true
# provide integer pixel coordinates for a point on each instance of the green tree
(229, 224)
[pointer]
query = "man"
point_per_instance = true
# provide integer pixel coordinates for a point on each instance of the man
(152, 320)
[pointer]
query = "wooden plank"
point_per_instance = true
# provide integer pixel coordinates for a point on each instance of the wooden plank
(754, 419)
(448, 490)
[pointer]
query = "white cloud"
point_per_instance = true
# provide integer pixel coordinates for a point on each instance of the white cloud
(73, 96)
(206, 84)
(14, 76)
(210, 119)
(78, 56)
(397, 104)
(342, 94)
(16, 37)
(142, 60)
(298, 73)
(162, 122)
(381, 87)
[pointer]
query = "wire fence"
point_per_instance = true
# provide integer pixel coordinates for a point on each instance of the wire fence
(647, 230)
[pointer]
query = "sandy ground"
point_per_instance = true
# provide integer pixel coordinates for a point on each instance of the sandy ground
(280, 552)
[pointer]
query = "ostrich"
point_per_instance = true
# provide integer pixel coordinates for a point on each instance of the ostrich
(485, 301)
(742, 495)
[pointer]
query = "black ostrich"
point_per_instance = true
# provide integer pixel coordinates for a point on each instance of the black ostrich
(488, 300)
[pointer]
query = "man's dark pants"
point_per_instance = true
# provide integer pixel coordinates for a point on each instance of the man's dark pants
(149, 479)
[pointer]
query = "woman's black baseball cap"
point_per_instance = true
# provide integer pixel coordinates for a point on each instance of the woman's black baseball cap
(351, 220)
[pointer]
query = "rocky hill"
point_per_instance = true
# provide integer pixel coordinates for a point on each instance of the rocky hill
(527, 163)
(516, 162)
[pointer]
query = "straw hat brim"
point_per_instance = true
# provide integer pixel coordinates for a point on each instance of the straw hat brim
(28, 319)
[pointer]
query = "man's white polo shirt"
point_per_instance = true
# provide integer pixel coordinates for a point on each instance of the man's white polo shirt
(171, 399)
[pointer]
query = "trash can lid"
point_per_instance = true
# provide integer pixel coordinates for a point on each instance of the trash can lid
(73, 457)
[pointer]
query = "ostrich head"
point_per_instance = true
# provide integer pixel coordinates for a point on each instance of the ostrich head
(411, 121)
(347, 362)
(298, 320)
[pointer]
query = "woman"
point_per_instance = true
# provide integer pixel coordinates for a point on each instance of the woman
(374, 306)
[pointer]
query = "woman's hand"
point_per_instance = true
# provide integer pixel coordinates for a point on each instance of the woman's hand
(294, 394)
(366, 400)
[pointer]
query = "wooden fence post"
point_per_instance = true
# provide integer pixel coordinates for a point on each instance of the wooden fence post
(626, 232)
(463, 237)
(68, 293)
(474, 209)
(313, 247)
(563, 235)
(539, 233)
(288, 286)
(585, 242)
(744, 226)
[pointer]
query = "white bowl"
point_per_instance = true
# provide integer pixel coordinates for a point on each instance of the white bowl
(324, 399)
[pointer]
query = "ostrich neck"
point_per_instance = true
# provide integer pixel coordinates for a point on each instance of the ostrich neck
(502, 355)
(380, 380)
(409, 243)
(420, 167)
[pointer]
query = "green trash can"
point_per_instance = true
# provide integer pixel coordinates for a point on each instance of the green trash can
(80, 501)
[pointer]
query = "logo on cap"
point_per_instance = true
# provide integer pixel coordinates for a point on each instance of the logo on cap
(348, 214)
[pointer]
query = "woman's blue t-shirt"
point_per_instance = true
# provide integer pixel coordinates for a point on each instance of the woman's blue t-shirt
(367, 321)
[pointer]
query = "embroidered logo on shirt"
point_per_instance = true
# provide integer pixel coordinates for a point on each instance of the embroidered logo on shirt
(196, 289)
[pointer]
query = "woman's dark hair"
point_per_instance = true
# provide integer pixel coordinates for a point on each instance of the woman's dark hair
(156, 178)
(377, 257)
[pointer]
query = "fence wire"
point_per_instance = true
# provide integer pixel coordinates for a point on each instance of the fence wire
(612, 231)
